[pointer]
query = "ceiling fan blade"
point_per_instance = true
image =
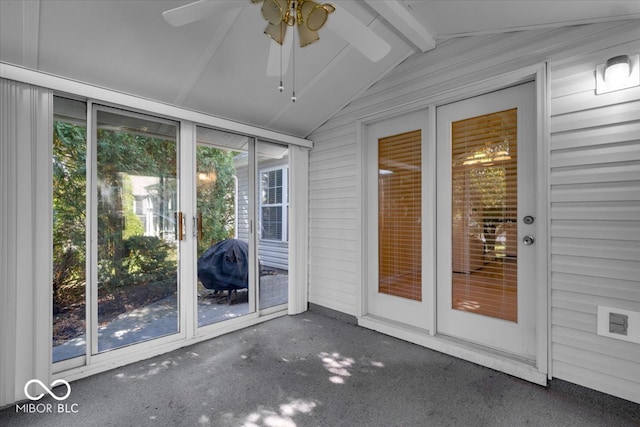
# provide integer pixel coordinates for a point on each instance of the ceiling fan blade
(193, 12)
(273, 61)
(359, 35)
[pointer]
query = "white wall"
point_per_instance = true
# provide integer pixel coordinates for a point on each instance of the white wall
(604, 201)
(595, 220)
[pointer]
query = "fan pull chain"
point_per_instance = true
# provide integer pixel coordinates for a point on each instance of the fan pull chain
(281, 87)
(293, 48)
(282, 33)
(293, 68)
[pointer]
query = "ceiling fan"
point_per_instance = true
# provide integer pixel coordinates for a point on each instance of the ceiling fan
(307, 15)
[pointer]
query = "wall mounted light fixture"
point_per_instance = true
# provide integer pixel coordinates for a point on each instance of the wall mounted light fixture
(618, 72)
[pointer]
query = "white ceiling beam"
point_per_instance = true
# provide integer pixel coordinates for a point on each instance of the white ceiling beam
(405, 22)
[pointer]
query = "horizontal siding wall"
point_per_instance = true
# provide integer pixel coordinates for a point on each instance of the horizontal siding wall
(594, 186)
(274, 254)
(334, 212)
(595, 220)
(334, 220)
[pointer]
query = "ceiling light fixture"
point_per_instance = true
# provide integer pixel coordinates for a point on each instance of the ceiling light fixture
(307, 15)
(618, 72)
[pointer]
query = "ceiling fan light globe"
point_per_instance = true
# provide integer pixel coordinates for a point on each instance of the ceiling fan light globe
(315, 15)
(317, 18)
(277, 32)
(274, 11)
(306, 35)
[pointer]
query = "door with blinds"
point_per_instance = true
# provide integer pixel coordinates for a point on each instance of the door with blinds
(486, 223)
(395, 180)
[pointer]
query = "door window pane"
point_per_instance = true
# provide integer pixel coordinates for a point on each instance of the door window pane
(484, 215)
(273, 207)
(69, 228)
(400, 215)
(137, 258)
(222, 169)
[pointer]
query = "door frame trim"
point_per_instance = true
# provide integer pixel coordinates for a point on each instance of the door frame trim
(539, 373)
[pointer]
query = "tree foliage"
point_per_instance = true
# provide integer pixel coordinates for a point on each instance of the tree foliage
(216, 193)
(125, 256)
(69, 213)
(121, 156)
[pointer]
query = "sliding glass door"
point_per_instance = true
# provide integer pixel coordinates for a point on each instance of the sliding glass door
(116, 228)
(138, 226)
(69, 229)
(272, 202)
(155, 237)
(223, 238)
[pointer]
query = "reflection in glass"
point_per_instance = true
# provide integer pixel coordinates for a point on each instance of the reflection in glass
(137, 265)
(273, 213)
(222, 175)
(69, 228)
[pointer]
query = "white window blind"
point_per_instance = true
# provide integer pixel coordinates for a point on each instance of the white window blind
(399, 215)
(484, 214)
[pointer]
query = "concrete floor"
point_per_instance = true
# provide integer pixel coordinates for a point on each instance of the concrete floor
(319, 369)
(161, 317)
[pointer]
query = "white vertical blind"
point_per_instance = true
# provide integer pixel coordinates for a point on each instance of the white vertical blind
(25, 245)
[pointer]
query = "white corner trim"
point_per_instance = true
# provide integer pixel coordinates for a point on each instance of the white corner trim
(299, 230)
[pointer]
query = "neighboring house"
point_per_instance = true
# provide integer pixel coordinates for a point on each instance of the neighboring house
(151, 209)
(273, 208)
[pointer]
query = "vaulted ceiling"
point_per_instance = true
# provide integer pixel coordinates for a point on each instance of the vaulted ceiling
(217, 64)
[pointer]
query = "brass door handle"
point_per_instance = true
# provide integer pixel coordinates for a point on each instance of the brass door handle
(180, 226)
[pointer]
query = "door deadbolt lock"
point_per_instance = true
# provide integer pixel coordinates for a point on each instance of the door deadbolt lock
(528, 240)
(528, 219)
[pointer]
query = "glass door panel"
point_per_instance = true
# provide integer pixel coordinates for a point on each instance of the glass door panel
(273, 219)
(222, 201)
(69, 228)
(138, 227)
(400, 215)
(396, 235)
(484, 215)
(486, 274)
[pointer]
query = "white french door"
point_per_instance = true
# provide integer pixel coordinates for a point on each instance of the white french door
(486, 201)
(394, 179)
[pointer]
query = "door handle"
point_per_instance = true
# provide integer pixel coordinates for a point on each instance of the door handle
(528, 240)
(200, 233)
(180, 226)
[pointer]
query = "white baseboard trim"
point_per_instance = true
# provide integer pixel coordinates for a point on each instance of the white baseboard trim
(461, 350)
